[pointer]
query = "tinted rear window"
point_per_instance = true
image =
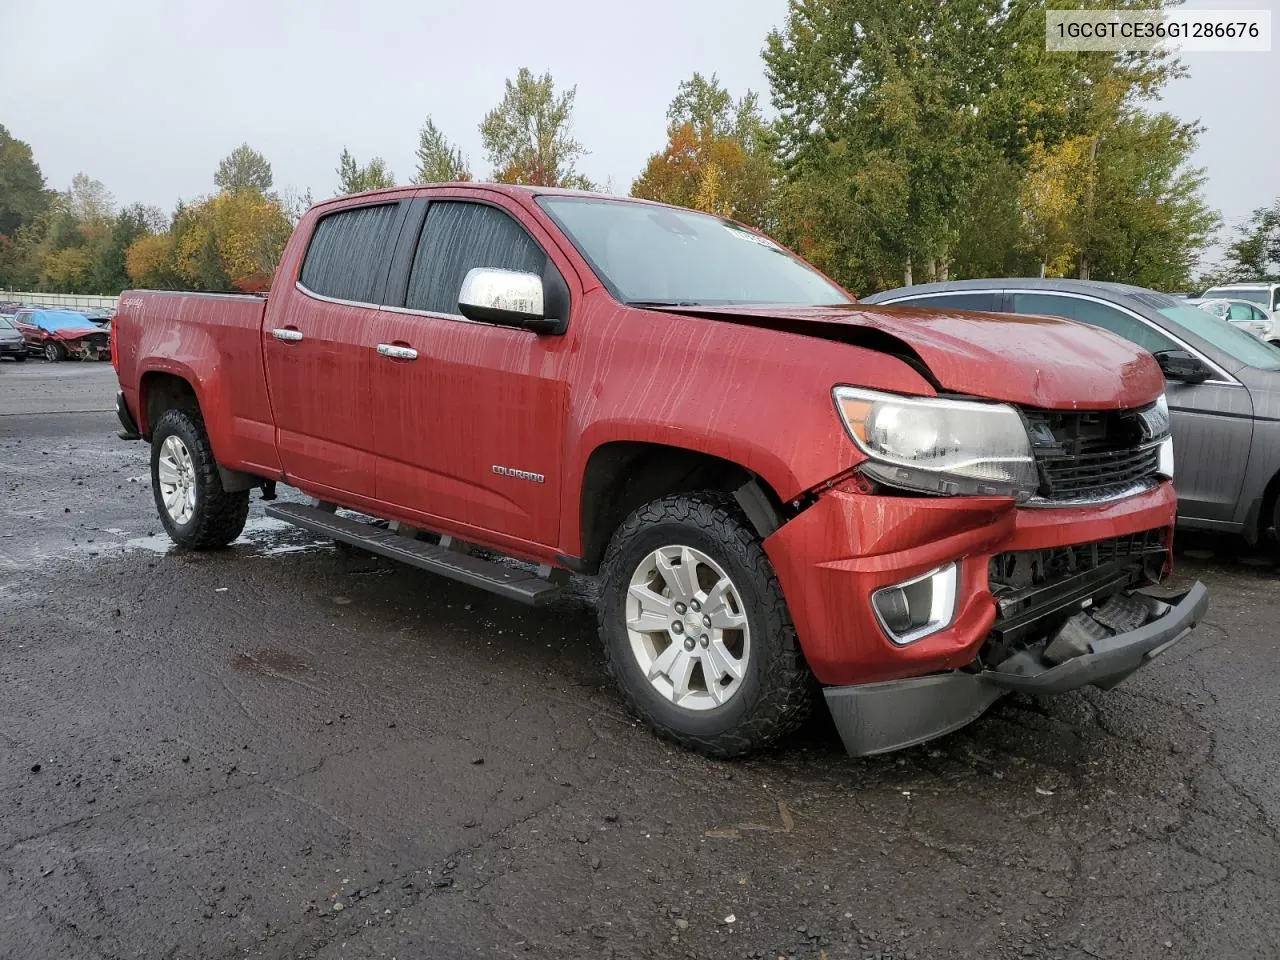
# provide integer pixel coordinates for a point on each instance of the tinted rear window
(349, 253)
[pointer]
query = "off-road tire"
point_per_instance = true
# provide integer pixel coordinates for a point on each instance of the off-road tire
(777, 690)
(219, 517)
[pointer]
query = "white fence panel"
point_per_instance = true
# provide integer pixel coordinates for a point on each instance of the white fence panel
(75, 301)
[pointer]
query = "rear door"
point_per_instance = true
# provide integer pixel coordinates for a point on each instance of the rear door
(1212, 422)
(316, 347)
(469, 430)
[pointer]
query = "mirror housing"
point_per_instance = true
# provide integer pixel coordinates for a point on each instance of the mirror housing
(1183, 366)
(505, 297)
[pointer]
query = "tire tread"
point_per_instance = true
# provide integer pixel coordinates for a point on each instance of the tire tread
(787, 687)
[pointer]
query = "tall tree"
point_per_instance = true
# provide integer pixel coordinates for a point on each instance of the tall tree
(438, 160)
(23, 196)
(244, 169)
(528, 136)
(717, 156)
(354, 178)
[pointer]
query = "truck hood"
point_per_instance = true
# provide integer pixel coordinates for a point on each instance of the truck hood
(1035, 361)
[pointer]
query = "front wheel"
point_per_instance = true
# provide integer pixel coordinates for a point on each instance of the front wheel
(53, 352)
(195, 510)
(696, 631)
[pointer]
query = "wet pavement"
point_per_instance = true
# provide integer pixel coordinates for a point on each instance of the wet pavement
(280, 750)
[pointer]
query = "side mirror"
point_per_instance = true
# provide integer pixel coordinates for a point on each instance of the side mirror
(505, 297)
(1183, 366)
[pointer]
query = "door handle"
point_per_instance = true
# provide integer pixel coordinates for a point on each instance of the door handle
(396, 352)
(287, 335)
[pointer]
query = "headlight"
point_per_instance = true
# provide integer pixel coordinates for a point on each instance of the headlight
(947, 447)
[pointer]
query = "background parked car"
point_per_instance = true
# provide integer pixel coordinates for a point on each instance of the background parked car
(1262, 292)
(58, 334)
(11, 343)
(1223, 385)
(1245, 314)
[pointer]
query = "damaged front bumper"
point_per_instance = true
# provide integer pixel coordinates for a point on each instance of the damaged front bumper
(879, 717)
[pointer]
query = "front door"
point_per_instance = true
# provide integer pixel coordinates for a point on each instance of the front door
(315, 345)
(468, 416)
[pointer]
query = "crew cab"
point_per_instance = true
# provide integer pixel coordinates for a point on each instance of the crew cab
(778, 488)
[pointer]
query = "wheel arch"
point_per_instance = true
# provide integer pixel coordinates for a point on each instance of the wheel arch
(622, 475)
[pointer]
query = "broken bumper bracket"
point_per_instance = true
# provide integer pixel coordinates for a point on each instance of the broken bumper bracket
(879, 717)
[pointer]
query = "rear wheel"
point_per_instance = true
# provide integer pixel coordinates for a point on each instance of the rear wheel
(696, 631)
(53, 352)
(194, 508)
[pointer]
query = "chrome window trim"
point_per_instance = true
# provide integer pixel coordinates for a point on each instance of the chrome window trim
(1226, 379)
(434, 314)
(302, 288)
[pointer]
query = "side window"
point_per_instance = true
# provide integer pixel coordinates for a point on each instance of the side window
(1096, 315)
(349, 253)
(1240, 311)
(979, 300)
(457, 237)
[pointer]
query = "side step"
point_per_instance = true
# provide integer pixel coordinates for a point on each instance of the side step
(525, 586)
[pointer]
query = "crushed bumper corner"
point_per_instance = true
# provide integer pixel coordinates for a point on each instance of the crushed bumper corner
(879, 717)
(1109, 660)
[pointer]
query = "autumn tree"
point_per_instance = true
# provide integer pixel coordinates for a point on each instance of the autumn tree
(528, 135)
(233, 239)
(354, 178)
(150, 262)
(244, 169)
(438, 160)
(717, 156)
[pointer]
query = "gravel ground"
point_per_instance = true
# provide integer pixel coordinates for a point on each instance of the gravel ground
(282, 751)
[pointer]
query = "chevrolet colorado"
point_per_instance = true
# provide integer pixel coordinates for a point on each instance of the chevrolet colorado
(779, 489)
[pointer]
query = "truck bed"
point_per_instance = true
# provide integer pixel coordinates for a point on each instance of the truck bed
(210, 339)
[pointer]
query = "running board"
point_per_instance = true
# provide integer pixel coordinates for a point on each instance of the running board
(522, 585)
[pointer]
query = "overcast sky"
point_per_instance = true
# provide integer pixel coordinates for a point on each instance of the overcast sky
(148, 95)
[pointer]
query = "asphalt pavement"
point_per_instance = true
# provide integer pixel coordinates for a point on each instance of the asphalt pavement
(279, 750)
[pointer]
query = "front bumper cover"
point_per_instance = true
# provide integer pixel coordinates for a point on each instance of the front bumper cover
(879, 717)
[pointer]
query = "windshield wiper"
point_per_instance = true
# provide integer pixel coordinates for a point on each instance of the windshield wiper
(664, 303)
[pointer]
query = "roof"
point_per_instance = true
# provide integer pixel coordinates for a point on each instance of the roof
(510, 189)
(1245, 285)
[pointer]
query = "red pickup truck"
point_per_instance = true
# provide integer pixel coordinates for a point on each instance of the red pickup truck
(778, 489)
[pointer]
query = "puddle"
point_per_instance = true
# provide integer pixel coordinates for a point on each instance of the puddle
(262, 537)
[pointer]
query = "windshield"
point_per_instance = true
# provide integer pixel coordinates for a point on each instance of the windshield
(1234, 293)
(648, 254)
(5, 324)
(1232, 341)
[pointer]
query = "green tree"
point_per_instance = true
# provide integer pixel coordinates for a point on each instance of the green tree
(718, 156)
(354, 178)
(244, 169)
(438, 160)
(528, 136)
(108, 271)
(1254, 254)
(23, 196)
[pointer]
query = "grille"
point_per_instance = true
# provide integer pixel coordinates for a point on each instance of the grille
(1094, 454)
